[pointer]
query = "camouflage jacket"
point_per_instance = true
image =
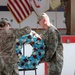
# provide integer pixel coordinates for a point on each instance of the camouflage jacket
(54, 46)
(8, 43)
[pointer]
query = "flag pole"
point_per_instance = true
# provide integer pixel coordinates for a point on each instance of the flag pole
(11, 20)
(19, 25)
(56, 17)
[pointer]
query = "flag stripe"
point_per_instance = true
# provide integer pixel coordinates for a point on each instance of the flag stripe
(13, 13)
(20, 9)
(25, 7)
(28, 8)
(28, 4)
(14, 4)
(15, 10)
(22, 6)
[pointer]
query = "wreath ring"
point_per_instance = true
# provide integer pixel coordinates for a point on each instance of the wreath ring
(38, 51)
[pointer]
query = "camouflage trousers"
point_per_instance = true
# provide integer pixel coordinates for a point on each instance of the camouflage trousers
(54, 68)
(8, 69)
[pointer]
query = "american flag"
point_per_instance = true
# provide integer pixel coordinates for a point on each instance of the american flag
(20, 9)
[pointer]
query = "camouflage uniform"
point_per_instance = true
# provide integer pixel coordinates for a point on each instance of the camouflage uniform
(7, 50)
(54, 51)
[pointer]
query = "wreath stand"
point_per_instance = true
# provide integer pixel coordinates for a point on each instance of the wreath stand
(38, 49)
(24, 54)
(27, 69)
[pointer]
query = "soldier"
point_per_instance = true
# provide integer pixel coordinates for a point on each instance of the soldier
(8, 56)
(54, 46)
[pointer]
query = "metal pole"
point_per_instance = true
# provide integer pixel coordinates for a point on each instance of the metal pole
(23, 54)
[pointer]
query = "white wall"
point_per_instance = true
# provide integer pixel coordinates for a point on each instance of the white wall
(56, 18)
(3, 2)
(69, 59)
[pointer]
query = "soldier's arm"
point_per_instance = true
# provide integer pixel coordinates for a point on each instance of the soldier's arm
(22, 31)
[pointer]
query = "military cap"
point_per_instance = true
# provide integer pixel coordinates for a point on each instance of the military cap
(5, 20)
(44, 15)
